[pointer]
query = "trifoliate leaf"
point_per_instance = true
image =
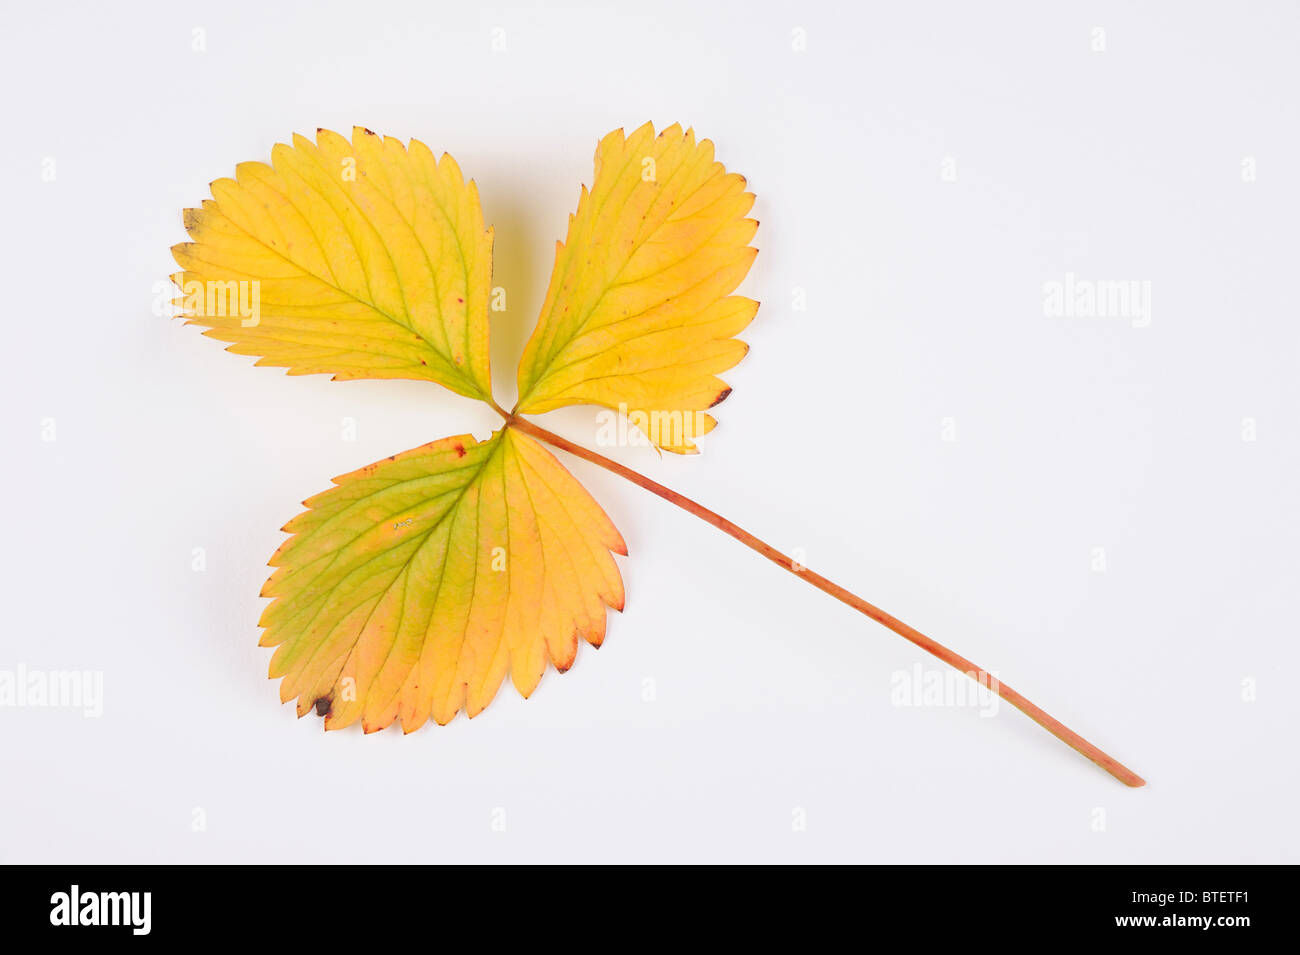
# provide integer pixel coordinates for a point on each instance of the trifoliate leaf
(639, 316)
(410, 589)
(361, 260)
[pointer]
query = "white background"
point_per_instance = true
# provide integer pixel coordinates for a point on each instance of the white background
(924, 303)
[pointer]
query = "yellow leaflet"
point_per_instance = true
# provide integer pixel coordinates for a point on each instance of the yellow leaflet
(360, 260)
(408, 591)
(639, 317)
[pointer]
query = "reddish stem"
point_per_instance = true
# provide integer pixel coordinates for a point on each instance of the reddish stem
(1049, 723)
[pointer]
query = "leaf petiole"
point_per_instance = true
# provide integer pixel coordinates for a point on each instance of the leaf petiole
(1043, 719)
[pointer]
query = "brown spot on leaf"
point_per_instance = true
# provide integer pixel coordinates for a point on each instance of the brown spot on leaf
(460, 450)
(324, 704)
(722, 396)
